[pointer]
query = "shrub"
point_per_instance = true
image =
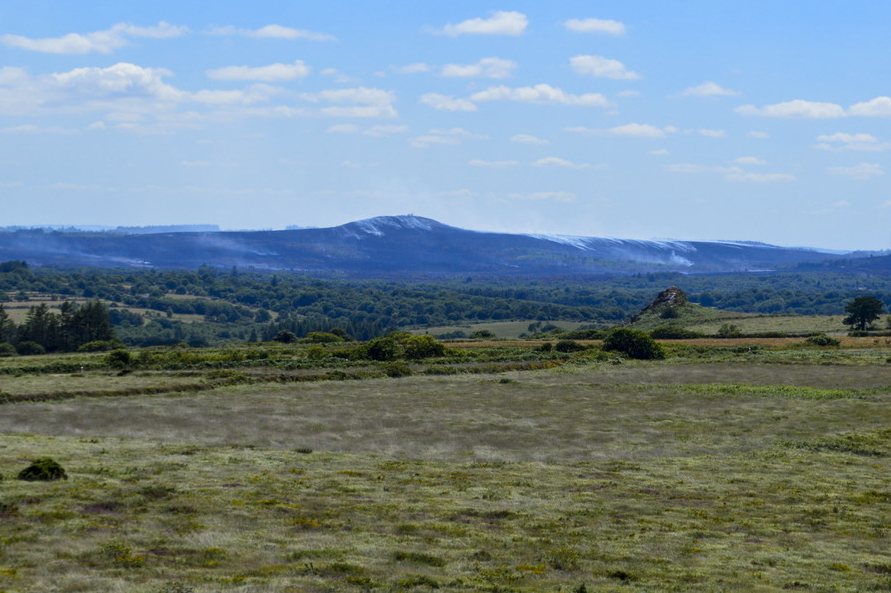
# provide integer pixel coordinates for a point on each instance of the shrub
(568, 346)
(29, 348)
(382, 349)
(7, 349)
(729, 330)
(118, 359)
(99, 346)
(316, 352)
(674, 333)
(633, 343)
(823, 340)
(425, 346)
(322, 338)
(585, 334)
(43, 470)
(482, 334)
(397, 369)
(285, 337)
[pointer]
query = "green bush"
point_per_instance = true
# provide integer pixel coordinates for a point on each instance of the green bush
(322, 338)
(99, 346)
(633, 343)
(482, 334)
(417, 347)
(118, 359)
(7, 349)
(382, 349)
(397, 369)
(316, 352)
(569, 346)
(729, 330)
(674, 333)
(823, 340)
(43, 470)
(29, 348)
(285, 337)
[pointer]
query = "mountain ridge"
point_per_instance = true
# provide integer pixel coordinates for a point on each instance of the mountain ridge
(400, 245)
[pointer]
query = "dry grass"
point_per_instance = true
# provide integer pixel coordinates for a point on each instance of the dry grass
(670, 476)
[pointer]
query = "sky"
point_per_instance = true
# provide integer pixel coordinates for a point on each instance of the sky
(648, 119)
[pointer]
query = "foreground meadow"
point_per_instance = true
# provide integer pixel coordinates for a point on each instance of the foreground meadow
(752, 471)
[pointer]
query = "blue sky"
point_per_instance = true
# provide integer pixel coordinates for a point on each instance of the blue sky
(689, 119)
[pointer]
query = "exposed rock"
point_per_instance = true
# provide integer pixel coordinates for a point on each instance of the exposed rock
(667, 299)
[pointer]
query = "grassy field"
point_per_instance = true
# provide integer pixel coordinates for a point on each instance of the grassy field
(737, 468)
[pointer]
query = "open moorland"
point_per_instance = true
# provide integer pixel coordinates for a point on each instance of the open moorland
(493, 467)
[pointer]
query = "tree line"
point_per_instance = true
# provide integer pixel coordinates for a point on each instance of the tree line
(72, 328)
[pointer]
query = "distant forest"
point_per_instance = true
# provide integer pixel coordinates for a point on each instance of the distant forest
(211, 306)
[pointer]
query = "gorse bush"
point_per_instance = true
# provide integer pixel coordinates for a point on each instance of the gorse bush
(43, 470)
(119, 359)
(823, 340)
(674, 333)
(569, 346)
(633, 343)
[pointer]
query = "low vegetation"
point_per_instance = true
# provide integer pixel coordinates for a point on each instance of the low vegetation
(490, 467)
(670, 455)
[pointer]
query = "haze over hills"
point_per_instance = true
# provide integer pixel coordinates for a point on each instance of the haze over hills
(399, 245)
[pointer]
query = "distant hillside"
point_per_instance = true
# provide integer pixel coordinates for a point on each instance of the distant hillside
(398, 246)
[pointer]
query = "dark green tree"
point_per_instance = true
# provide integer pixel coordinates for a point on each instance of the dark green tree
(42, 327)
(7, 327)
(862, 311)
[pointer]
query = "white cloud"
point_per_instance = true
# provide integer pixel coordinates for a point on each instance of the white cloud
(633, 130)
(762, 177)
(757, 134)
(878, 107)
(355, 102)
(552, 196)
(257, 93)
(843, 141)
(343, 129)
(749, 160)
(380, 131)
(32, 129)
(450, 136)
(708, 89)
(338, 76)
(795, 109)
(499, 23)
(695, 168)
(713, 133)
(660, 152)
(607, 27)
(601, 67)
(492, 164)
(103, 42)
(195, 163)
(446, 103)
(122, 80)
(272, 32)
(416, 68)
(861, 171)
(553, 161)
(270, 73)
(527, 139)
(485, 68)
(732, 173)
(540, 93)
